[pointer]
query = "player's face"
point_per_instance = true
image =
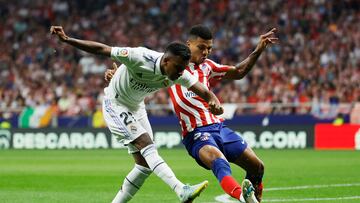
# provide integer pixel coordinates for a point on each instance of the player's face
(200, 49)
(174, 67)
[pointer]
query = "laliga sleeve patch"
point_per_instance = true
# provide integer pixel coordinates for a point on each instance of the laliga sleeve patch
(123, 52)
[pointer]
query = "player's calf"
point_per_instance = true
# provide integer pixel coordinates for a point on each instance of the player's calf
(222, 171)
(132, 183)
(255, 175)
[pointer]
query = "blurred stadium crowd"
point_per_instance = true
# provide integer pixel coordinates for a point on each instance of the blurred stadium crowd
(316, 62)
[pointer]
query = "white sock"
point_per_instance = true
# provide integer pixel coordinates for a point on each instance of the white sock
(160, 168)
(132, 183)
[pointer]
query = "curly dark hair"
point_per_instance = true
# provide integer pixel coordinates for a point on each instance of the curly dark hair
(179, 49)
(200, 31)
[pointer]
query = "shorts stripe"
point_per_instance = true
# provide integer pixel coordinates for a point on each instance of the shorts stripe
(121, 127)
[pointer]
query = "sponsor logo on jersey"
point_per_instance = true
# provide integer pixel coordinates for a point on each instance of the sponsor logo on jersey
(190, 94)
(140, 86)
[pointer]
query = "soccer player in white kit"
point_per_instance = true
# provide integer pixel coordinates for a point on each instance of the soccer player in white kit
(206, 138)
(143, 72)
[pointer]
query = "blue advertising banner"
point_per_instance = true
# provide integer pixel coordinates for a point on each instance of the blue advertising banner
(169, 136)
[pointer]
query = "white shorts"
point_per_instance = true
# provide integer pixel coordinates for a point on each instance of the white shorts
(124, 124)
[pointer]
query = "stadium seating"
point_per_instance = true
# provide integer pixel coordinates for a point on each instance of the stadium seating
(315, 64)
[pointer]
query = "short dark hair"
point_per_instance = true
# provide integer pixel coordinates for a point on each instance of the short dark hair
(200, 31)
(179, 49)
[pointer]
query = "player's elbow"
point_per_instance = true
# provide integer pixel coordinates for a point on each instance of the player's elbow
(105, 51)
(239, 76)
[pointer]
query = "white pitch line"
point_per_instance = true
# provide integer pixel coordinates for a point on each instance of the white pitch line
(311, 187)
(227, 199)
(312, 199)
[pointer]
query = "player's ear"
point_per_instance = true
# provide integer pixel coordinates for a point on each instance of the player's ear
(188, 43)
(166, 59)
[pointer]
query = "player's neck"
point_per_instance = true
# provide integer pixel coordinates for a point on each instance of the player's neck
(195, 64)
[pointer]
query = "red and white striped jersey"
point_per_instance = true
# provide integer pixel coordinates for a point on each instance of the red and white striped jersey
(191, 110)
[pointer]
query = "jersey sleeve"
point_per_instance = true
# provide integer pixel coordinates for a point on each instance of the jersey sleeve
(217, 72)
(123, 55)
(186, 79)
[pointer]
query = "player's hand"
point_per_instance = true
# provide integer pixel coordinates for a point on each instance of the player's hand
(109, 73)
(266, 39)
(59, 31)
(215, 108)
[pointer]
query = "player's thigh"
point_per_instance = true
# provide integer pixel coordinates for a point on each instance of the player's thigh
(122, 122)
(231, 143)
(202, 147)
(144, 122)
(237, 151)
(249, 161)
(139, 159)
(145, 139)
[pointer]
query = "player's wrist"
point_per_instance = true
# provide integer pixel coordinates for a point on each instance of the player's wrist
(256, 53)
(65, 39)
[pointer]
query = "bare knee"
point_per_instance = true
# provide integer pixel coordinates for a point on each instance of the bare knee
(140, 160)
(256, 166)
(142, 141)
(250, 162)
(210, 153)
(260, 167)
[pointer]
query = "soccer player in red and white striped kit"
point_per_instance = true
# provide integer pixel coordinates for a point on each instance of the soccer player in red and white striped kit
(205, 136)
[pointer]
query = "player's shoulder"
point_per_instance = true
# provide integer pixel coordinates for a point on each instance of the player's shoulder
(210, 61)
(136, 50)
(209, 65)
(207, 61)
(216, 66)
(148, 54)
(148, 50)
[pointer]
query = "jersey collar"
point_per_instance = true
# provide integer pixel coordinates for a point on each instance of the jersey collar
(157, 69)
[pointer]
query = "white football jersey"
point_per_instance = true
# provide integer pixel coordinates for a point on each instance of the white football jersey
(140, 75)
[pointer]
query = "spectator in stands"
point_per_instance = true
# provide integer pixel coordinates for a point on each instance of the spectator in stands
(320, 47)
(355, 113)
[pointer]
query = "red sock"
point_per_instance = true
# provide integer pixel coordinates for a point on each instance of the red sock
(258, 191)
(231, 186)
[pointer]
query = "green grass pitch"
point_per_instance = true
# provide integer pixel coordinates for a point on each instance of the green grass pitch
(96, 175)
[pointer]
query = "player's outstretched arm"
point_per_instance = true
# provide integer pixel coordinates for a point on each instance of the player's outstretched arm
(243, 68)
(85, 45)
(214, 104)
